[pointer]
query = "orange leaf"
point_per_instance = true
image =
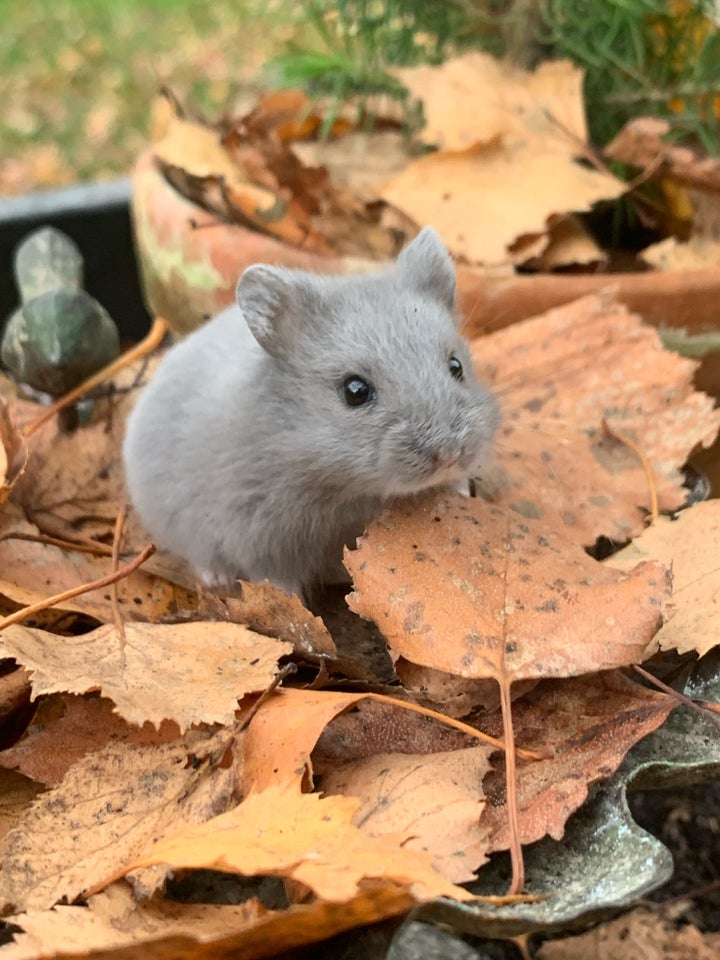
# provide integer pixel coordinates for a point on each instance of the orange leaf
(463, 586)
(283, 832)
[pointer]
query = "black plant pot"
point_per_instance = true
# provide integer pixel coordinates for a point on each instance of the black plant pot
(97, 217)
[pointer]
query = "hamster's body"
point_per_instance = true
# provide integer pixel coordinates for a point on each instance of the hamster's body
(270, 437)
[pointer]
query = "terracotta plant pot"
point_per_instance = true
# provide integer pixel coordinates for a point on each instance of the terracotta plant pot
(190, 262)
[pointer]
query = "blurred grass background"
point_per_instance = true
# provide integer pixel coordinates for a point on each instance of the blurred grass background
(77, 77)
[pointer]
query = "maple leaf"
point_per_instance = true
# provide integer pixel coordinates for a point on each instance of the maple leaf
(687, 543)
(187, 672)
(529, 134)
(283, 832)
(109, 806)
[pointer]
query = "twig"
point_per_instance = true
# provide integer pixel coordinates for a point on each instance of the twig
(676, 695)
(151, 341)
(652, 487)
(516, 855)
(95, 548)
(120, 574)
(284, 672)
(117, 539)
(458, 725)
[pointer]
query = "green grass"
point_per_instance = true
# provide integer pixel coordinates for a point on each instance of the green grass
(77, 77)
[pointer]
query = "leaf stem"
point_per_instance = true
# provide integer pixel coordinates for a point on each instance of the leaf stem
(516, 855)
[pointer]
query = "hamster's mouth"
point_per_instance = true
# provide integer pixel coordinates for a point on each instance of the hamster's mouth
(434, 476)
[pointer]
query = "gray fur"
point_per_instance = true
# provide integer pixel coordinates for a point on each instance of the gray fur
(241, 454)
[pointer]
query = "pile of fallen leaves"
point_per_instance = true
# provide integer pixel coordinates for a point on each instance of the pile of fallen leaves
(501, 168)
(368, 186)
(352, 769)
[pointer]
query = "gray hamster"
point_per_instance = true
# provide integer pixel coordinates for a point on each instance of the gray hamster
(271, 436)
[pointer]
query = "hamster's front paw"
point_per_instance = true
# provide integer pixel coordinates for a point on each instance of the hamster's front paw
(465, 487)
(213, 580)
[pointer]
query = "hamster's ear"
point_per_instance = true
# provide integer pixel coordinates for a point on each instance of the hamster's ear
(428, 267)
(268, 299)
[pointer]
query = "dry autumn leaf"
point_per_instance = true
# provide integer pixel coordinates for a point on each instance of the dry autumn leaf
(245, 171)
(74, 483)
(515, 103)
(504, 172)
(557, 377)
(377, 726)
(196, 149)
(66, 727)
(187, 672)
(463, 586)
(113, 922)
(640, 143)
(268, 610)
(282, 733)
(40, 570)
(16, 794)
(399, 794)
(590, 723)
(108, 808)
(643, 933)
(688, 544)
(670, 255)
(464, 196)
(13, 453)
(304, 837)
(16, 710)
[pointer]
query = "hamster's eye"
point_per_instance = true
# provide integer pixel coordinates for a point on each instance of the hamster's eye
(357, 391)
(455, 368)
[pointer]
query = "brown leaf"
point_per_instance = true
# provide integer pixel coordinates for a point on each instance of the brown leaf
(590, 723)
(699, 253)
(270, 611)
(688, 545)
(287, 115)
(503, 171)
(196, 150)
(374, 727)
(556, 378)
(75, 479)
(188, 672)
(108, 808)
(452, 695)
(399, 794)
(304, 837)
(569, 244)
(480, 201)
(546, 104)
(362, 161)
(466, 587)
(66, 728)
(13, 453)
(640, 144)
(281, 735)
(16, 794)
(643, 933)
(114, 925)
(40, 570)
(16, 711)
